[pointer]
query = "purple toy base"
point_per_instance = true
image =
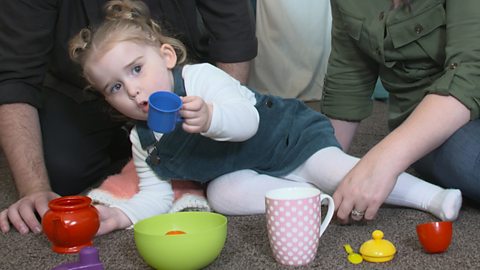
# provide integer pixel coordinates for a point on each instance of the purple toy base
(88, 260)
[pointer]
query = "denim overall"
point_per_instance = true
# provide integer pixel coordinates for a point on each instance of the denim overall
(288, 134)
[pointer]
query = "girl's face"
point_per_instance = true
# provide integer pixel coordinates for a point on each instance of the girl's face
(129, 72)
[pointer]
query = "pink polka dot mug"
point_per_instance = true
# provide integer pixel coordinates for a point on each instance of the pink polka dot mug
(293, 223)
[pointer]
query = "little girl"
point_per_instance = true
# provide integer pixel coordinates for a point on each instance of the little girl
(241, 142)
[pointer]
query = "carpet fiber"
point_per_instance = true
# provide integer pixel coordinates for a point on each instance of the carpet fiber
(247, 244)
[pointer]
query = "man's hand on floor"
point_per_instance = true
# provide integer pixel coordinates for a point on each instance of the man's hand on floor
(21, 214)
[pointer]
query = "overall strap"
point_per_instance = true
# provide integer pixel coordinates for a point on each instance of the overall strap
(178, 84)
(145, 134)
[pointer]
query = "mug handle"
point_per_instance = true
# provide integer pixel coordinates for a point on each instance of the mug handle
(328, 217)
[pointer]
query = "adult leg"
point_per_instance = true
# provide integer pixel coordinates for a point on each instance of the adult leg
(456, 163)
(81, 142)
(243, 192)
(327, 168)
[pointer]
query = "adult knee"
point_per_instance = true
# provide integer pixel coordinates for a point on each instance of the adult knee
(71, 174)
(456, 163)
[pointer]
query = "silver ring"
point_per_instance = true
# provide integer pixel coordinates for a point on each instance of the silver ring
(356, 213)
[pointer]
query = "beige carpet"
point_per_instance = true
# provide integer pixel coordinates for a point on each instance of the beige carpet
(247, 244)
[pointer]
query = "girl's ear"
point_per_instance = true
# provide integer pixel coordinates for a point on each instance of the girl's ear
(168, 53)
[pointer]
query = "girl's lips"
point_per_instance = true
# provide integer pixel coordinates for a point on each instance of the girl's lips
(144, 106)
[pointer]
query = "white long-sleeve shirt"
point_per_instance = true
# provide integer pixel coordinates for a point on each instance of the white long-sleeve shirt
(234, 118)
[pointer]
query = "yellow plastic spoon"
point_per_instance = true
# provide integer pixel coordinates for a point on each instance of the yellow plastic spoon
(353, 257)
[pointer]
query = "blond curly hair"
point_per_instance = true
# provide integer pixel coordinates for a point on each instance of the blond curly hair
(125, 20)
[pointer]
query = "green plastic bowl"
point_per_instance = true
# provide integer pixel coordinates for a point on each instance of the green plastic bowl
(204, 238)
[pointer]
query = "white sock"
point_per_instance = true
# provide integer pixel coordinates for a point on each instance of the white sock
(449, 203)
(190, 203)
(413, 192)
(326, 168)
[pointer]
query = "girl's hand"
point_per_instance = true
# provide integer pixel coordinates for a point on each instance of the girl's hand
(111, 219)
(196, 113)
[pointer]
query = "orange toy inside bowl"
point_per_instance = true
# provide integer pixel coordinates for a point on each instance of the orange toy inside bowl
(435, 237)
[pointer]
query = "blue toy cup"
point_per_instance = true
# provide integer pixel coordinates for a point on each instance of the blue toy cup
(163, 111)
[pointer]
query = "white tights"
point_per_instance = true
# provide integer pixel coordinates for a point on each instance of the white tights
(243, 192)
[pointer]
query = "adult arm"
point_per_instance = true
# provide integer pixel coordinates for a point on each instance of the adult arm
(24, 60)
(451, 102)
(368, 184)
(22, 146)
(344, 132)
(349, 82)
(231, 24)
(239, 71)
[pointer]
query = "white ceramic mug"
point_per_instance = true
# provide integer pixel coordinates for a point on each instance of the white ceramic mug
(293, 223)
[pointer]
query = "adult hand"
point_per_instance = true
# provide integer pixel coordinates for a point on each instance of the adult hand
(196, 114)
(111, 219)
(369, 183)
(21, 214)
(363, 190)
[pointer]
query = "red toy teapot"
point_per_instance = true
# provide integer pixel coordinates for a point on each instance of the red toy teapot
(70, 223)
